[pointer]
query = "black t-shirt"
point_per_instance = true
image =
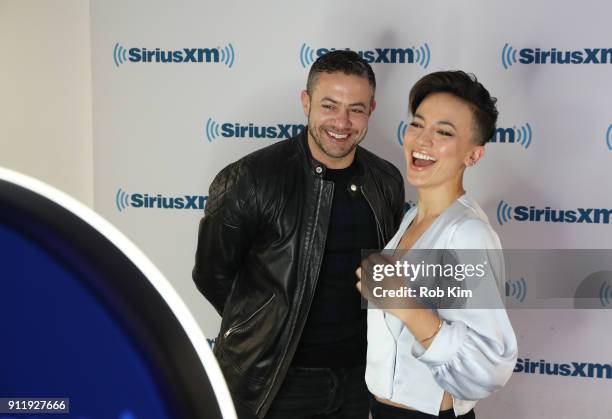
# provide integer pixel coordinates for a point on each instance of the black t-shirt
(335, 331)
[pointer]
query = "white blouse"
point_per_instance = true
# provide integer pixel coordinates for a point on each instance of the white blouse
(475, 350)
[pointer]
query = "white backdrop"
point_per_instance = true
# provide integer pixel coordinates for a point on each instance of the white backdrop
(163, 130)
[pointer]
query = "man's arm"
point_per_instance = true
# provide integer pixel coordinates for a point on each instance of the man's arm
(399, 197)
(226, 233)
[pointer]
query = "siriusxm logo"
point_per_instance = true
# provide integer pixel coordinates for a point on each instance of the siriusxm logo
(413, 55)
(521, 135)
(609, 137)
(572, 369)
(523, 213)
(594, 291)
(517, 289)
(511, 56)
(214, 130)
(220, 55)
(401, 131)
(124, 200)
(605, 294)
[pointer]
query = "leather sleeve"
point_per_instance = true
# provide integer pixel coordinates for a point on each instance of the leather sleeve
(226, 233)
(399, 196)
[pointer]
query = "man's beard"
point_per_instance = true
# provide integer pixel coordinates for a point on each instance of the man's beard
(321, 145)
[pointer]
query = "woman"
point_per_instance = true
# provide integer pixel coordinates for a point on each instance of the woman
(428, 362)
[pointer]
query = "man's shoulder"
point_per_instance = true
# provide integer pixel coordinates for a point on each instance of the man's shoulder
(275, 155)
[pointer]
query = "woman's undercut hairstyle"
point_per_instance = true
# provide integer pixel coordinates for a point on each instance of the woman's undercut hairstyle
(467, 88)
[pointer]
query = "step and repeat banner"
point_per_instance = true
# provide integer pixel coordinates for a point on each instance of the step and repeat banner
(181, 90)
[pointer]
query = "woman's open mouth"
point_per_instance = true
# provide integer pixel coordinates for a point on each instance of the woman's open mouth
(422, 160)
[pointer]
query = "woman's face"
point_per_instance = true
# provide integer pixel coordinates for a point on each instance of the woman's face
(439, 143)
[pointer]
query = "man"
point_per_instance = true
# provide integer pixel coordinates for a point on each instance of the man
(278, 247)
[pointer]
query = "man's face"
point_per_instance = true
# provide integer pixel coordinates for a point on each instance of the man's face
(338, 114)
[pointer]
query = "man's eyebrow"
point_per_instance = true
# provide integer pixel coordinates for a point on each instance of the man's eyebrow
(328, 99)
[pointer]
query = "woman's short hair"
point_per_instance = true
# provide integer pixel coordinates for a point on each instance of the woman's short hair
(467, 88)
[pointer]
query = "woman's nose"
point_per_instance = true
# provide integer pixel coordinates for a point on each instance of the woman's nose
(424, 139)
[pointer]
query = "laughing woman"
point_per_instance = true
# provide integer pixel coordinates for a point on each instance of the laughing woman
(428, 363)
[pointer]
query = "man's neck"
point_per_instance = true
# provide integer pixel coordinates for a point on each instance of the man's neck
(328, 161)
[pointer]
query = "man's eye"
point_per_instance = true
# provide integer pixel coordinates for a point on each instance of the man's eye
(328, 106)
(357, 110)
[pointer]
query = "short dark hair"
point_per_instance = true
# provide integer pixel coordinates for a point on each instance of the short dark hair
(347, 62)
(465, 87)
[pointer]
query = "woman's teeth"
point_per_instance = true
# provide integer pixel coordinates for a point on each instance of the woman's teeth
(422, 156)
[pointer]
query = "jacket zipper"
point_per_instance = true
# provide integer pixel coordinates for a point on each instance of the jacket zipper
(248, 319)
(280, 364)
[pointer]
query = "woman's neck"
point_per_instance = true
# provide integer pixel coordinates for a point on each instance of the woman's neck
(433, 201)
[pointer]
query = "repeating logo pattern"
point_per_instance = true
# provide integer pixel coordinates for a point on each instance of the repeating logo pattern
(508, 56)
(281, 131)
(307, 56)
(521, 135)
(212, 130)
(401, 131)
(605, 294)
(420, 55)
(123, 200)
(531, 213)
(119, 54)
(223, 55)
(511, 56)
(517, 289)
(569, 369)
(228, 55)
(504, 213)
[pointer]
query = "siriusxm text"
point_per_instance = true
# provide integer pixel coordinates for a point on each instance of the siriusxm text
(380, 55)
(184, 55)
(549, 215)
(555, 56)
(159, 201)
(237, 130)
(571, 369)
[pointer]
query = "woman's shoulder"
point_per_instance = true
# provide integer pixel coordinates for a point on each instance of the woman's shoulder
(470, 228)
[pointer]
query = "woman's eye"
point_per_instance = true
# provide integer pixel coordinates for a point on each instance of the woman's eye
(416, 124)
(445, 133)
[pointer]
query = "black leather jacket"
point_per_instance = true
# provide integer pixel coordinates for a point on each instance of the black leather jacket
(260, 246)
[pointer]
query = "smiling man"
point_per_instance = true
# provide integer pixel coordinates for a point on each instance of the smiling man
(278, 246)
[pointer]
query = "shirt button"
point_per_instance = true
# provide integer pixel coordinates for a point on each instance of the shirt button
(319, 169)
(354, 188)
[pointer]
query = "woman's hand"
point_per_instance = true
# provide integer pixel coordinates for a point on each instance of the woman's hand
(397, 294)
